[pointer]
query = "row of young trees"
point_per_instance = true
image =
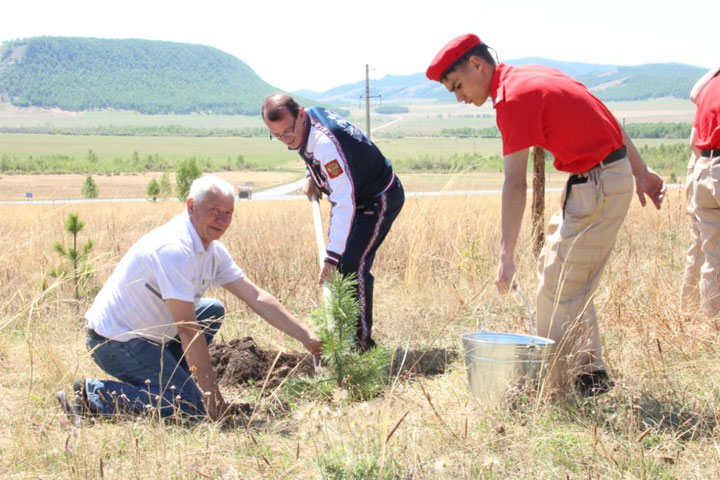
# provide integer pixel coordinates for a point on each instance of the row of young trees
(634, 130)
(162, 189)
(186, 172)
(92, 162)
(467, 132)
(140, 131)
(658, 130)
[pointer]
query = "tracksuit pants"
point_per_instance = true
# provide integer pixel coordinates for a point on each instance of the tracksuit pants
(370, 226)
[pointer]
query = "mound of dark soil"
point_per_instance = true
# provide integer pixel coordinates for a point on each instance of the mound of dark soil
(241, 361)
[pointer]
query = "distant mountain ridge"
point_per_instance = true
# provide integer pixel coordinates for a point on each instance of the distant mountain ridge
(142, 75)
(150, 76)
(608, 82)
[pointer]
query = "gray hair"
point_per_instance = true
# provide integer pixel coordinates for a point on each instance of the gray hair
(202, 186)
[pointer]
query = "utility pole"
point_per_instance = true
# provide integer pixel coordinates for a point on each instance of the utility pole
(367, 100)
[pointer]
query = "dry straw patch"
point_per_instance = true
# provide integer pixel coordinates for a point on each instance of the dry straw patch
(434, 281)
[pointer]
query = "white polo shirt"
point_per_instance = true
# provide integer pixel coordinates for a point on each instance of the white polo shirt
(168, 262)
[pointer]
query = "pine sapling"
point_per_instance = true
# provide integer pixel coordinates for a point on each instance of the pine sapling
(78, 258)
(361, 374)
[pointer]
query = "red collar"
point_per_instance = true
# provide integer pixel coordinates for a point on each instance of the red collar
(497, 93)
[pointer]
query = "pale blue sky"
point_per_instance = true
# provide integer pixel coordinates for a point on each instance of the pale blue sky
(322, 44)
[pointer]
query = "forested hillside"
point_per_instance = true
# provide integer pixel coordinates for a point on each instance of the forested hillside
(146, 76)
(644, 81)
(608, 82)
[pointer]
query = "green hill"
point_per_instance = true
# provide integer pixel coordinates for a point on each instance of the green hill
(608, 82)
(142, 75)
(642, 82)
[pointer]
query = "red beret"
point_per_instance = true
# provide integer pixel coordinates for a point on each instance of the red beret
(451, 53)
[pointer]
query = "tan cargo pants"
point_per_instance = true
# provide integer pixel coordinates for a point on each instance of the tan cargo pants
(570, 265)
(690, 301)
(707, 211)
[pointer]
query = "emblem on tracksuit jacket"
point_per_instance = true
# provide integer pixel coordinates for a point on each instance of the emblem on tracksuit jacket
(333, 169)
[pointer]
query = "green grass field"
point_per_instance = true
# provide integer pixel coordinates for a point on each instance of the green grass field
(450, 155)
(262, 151)
(37, 117)
(407, 140)
(421, 120)
(428, 119)
(258, 150)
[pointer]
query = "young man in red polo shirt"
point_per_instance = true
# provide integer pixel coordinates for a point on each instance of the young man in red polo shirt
(705, 140)
(540, 106)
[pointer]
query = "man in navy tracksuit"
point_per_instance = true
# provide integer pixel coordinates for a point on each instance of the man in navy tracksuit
(365, 193)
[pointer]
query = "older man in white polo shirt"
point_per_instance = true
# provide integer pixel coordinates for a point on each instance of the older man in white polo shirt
(150, 326)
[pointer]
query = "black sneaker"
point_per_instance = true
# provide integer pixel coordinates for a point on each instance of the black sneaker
(366, 346)
(80, 393)
(593, 384)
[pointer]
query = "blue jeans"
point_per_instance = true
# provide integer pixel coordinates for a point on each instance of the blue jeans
(151, 375)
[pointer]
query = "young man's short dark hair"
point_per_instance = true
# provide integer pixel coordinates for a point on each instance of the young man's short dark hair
(481, 50)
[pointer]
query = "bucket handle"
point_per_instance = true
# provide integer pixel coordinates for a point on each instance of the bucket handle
(533, 332)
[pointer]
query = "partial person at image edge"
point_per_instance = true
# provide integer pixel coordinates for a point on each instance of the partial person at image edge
(703, 260)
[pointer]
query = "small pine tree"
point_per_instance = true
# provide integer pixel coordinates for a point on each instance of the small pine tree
(78, 258)
(89, 188)
(362, 374)
(153, 189)
(166, 188)
(187, 171)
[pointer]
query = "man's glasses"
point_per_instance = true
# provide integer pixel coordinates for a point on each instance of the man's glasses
(287, 133)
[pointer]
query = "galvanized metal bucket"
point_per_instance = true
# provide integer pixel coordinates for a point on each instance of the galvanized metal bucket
(499, 362)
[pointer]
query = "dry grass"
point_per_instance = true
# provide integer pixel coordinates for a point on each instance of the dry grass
(434, 281)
